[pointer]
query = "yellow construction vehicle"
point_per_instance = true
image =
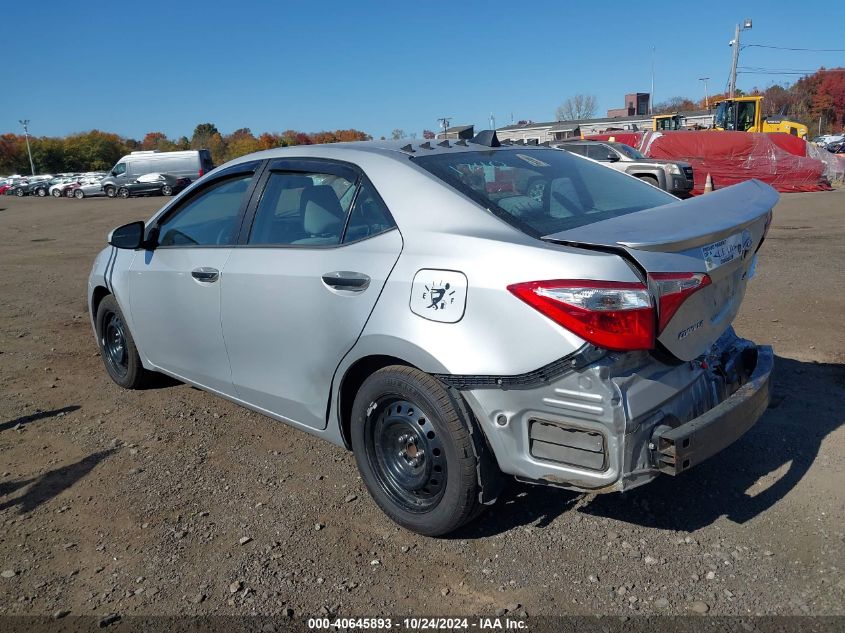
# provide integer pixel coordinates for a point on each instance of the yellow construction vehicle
(663, 122)
(745, 114)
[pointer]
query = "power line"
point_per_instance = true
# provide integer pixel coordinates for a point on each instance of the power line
(787, 48)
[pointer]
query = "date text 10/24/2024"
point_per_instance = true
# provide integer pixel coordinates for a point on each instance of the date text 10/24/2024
(419, 624)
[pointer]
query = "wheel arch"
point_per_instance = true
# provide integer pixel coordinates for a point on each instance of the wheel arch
(100, 293)
(351, 382)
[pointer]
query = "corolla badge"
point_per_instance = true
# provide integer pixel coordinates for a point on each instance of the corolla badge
(439, 295)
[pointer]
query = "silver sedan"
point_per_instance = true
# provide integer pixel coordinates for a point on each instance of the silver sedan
(452, 312)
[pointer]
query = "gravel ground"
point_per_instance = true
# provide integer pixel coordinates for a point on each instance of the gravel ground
(171, 501)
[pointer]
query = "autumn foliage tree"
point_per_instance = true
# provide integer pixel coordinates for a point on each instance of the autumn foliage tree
(96, 150)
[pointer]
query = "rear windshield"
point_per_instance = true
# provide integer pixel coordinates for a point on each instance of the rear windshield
(543, 191)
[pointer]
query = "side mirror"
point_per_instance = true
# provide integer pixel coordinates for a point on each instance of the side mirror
(612, 158)
(129, 236)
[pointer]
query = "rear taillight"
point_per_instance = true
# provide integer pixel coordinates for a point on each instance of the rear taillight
(202, 171)
(609, 314)
(672, 289)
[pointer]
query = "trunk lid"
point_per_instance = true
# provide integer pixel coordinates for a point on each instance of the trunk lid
(717, 234)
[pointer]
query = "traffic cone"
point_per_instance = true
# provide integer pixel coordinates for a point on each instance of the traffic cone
(708, 184)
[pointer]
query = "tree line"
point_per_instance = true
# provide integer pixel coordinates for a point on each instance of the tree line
(99, 151)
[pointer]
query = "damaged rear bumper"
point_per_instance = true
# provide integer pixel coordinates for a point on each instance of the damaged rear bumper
(691, 443)
(614, 421)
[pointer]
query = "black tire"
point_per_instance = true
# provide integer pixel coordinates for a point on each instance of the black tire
(41, 191)
(56, 193)
(19, 193)
(110, 191)
(79, 194)
(123, 192)
(167, 190)
(117, 347)
(414, 448)
(650, 180)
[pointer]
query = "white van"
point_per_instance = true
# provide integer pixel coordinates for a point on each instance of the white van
(187, 164)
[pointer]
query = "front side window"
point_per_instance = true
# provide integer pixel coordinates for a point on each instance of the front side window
(575, 192)
(119, 169)
(299, 208)
(210, 218)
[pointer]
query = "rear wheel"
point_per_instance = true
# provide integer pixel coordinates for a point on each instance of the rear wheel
(167, 190)
(41, 191)
(650, 180)
(117, 347)
(123, 192)
(110, 191)
(79, 194)
(57, 193)
(19, 193)
(413, 445)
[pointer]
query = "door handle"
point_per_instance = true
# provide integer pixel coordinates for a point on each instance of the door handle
(205, 274)
(346, 280)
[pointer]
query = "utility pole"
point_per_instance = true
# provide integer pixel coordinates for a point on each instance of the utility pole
(444, 123)
(651, 96)
(745, 26)
(25, 124)
(706, 99)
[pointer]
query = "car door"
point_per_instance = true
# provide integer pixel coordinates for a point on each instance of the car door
(298, 291)
(175, 286)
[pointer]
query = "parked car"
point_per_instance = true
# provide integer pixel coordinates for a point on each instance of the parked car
(191, 164)
(836, 147)
(86, 188)
(58, 189)
(449, 332)
(4, 187)
(24, 188)
(673, 176)
(153, 185)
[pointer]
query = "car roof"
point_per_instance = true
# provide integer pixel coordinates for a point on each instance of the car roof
(400, 150)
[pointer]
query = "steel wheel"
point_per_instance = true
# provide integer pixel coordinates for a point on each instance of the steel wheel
(407, 454)
(19, 193)
(123, 192)
(110, 192)
(57, 193)
(79, 194)
(167, 190)
(41, 192)
(113, 342)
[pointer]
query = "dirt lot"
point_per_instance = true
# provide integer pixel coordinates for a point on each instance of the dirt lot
(172, 501)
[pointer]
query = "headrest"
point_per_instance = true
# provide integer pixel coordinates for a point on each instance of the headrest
(321, 210)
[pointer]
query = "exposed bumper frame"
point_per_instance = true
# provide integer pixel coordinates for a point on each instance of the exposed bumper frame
(681, 448)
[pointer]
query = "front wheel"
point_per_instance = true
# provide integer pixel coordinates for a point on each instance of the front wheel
(79, 194)
(41, 192)
(123, 192)
(650, 180)
(167, 190)
(117, 347)
(19, 193)
(57, 193)
(414, 448)
(110, 191)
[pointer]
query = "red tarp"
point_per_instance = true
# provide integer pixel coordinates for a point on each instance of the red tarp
(731, 157)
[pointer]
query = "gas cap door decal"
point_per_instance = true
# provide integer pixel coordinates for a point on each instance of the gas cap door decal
(439, 295)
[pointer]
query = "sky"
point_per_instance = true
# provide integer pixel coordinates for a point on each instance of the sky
(147, 65)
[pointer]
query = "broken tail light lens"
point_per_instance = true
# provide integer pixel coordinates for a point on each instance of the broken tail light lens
(672, 289)
(609, 314)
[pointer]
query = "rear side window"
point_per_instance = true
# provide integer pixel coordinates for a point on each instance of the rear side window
(210, 218)
(369, 216)
(543, 191)
(305, 209)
